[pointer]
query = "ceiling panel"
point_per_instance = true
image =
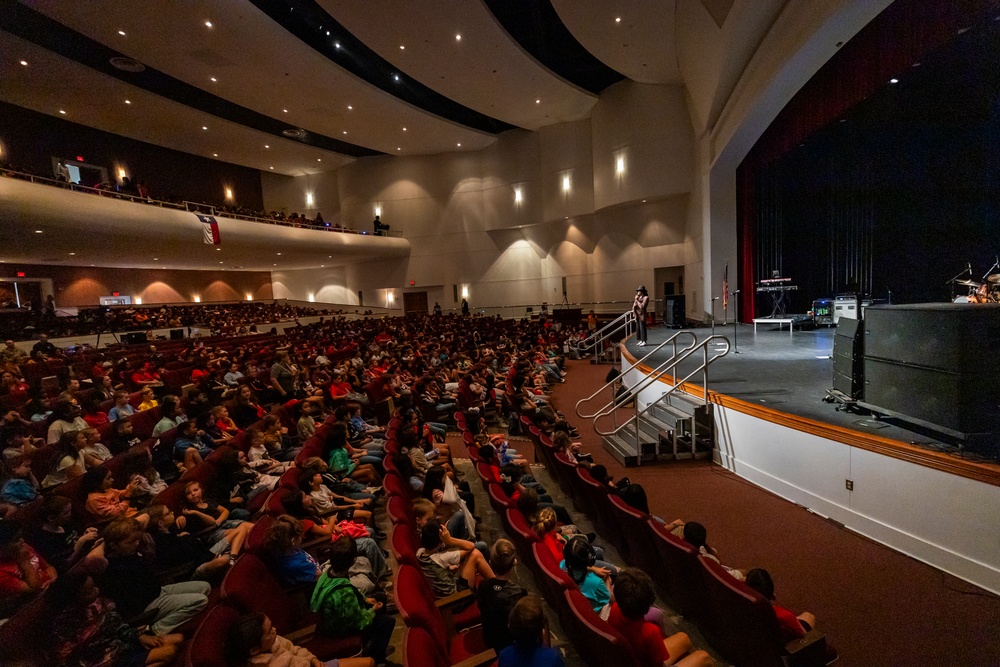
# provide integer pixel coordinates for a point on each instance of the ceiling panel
(641, 45)
(51, 83)
(484, 70)
(259, 65)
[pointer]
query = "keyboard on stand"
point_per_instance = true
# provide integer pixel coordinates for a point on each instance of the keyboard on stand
(777, 289)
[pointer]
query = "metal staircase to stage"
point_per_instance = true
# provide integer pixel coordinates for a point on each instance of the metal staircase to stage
(641, 426)
(603, 343)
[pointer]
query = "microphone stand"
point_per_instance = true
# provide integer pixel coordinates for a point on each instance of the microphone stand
(736, 321)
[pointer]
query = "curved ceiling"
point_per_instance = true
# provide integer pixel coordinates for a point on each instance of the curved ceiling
(251, 69)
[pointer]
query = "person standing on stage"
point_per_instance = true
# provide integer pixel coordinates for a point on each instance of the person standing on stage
(639, 310)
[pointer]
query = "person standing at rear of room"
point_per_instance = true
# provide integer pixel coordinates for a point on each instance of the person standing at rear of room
(639, 306)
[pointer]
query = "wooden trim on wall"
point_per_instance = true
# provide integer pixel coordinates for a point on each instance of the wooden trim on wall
(988, 473)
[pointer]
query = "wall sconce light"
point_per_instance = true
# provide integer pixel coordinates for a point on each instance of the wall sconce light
(249, 296)
(197, 299)
(137, 300)
(565, 183)
(309, 199)
(121, 174)
(465, 291)
(378, 210)
(390, 298)
(517, 196)
(312, 298)
(620, 166)
(229, 194)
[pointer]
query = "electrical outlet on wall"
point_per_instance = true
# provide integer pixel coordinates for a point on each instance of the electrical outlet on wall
(850, 484)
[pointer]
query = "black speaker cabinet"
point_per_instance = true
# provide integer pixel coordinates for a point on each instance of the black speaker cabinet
(935, 363)
(848, 358)
(176, 334)
(674, 311)
(134, 338)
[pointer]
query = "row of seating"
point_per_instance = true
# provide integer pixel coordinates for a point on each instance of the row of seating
(737, 621)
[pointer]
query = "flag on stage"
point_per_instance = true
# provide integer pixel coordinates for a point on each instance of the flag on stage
(725, 289)
(211, 229)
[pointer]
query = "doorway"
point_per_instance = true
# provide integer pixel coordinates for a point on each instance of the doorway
(415, 303)
(667, 281)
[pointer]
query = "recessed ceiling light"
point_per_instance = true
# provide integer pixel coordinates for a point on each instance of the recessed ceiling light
(270, 167)
(398, 148)
(218, 249)
(121, 32)
(62, 112)
(274, 265)
(337, 44)
(327, 33)
(322, 266)
(266, 146)
(395, 77)
(220, 262)
(213, 79)
(38, 231)
(284, 110)
(208, 24)
(215, 155)
(319, 159)
(24, 62)
(618, 19)
(345, 131)
(72, 254)
(402, 48)
(538, 101)
(279, 254)
(893, 80)
(458, 38)
(459, 144)
(349, 107)
(329, 256)
(156, 259)
(404, 129)
(204, 127)
(128, 101)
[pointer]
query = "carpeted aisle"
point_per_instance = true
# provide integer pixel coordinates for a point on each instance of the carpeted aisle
(879, 607)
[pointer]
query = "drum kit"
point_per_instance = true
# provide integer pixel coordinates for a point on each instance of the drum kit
(986, 290)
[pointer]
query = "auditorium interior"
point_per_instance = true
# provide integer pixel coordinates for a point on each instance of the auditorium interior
(443, 194)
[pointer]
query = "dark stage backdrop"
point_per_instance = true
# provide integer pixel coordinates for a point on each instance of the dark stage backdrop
(862, 183)
(32, 139)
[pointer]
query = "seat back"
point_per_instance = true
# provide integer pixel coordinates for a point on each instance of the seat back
(499, 501)
(597, 642)
(395, 485)
(634, 541)
(255, 539)
(250, 587)
(565, 472)
(404, 544)
(552, 581)
(419, 650)
(399, 510)
(741, 624)
(207, 645)
(416, 608)
(520, 532)
(678, 577)
(24, 636)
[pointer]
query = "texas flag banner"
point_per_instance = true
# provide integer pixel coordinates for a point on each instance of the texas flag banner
(211, 229)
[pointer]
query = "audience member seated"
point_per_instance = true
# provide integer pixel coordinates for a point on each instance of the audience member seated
(344, 610)
(448, 563)
(122, 408)
(65, 418)
(171, 416)
(792, 625)
(529, 633)
(56, 539)
(695, 534)
(299, 505)
(579, 561)
(131, 582)
(252, 641)
(70, 461)
(220, 533)
(104, 501)
(496, 597)
(88, 630)
(123, 437)
(629, 615)
(178, 549)
(23, 572)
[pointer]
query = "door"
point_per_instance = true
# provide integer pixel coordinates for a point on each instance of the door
(414, 303)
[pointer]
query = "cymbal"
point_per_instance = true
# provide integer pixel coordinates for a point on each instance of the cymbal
(994, 279)
(969, 283)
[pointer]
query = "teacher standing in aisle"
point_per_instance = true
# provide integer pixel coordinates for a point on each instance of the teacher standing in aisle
(639, 306)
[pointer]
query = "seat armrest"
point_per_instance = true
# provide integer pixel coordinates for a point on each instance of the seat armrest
(807, 651)
(301, 635)
(451, 600)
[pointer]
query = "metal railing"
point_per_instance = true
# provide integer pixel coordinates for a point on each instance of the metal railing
(194, 207)
(666, 368)
(596, 341)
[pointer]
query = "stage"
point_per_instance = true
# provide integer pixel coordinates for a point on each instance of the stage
(788, 374)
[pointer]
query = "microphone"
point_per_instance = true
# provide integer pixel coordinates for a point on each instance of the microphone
(968, 267)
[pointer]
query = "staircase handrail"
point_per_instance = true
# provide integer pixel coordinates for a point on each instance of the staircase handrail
(605, 332)
(659, 372)
(670, 341)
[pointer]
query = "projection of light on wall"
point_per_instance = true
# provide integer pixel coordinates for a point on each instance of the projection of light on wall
(390, 298)
(465, 291)
(309, 199)
(197, 299)
(378, 210)
(121, 174)
(137, 300)
(249, 296)
(312, 298)
(518, 197)
(566, 183)
(620, 165)
(229, 194)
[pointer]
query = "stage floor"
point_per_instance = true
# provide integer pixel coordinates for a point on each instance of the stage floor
(790, 374)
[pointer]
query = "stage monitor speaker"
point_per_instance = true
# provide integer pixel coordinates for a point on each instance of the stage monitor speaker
(176, 334)
(674, 309)
(134, 338)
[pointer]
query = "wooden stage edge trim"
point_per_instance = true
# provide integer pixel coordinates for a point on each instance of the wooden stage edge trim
(988, 473)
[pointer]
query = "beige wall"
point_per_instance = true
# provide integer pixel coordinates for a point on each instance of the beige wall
(76, 286)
